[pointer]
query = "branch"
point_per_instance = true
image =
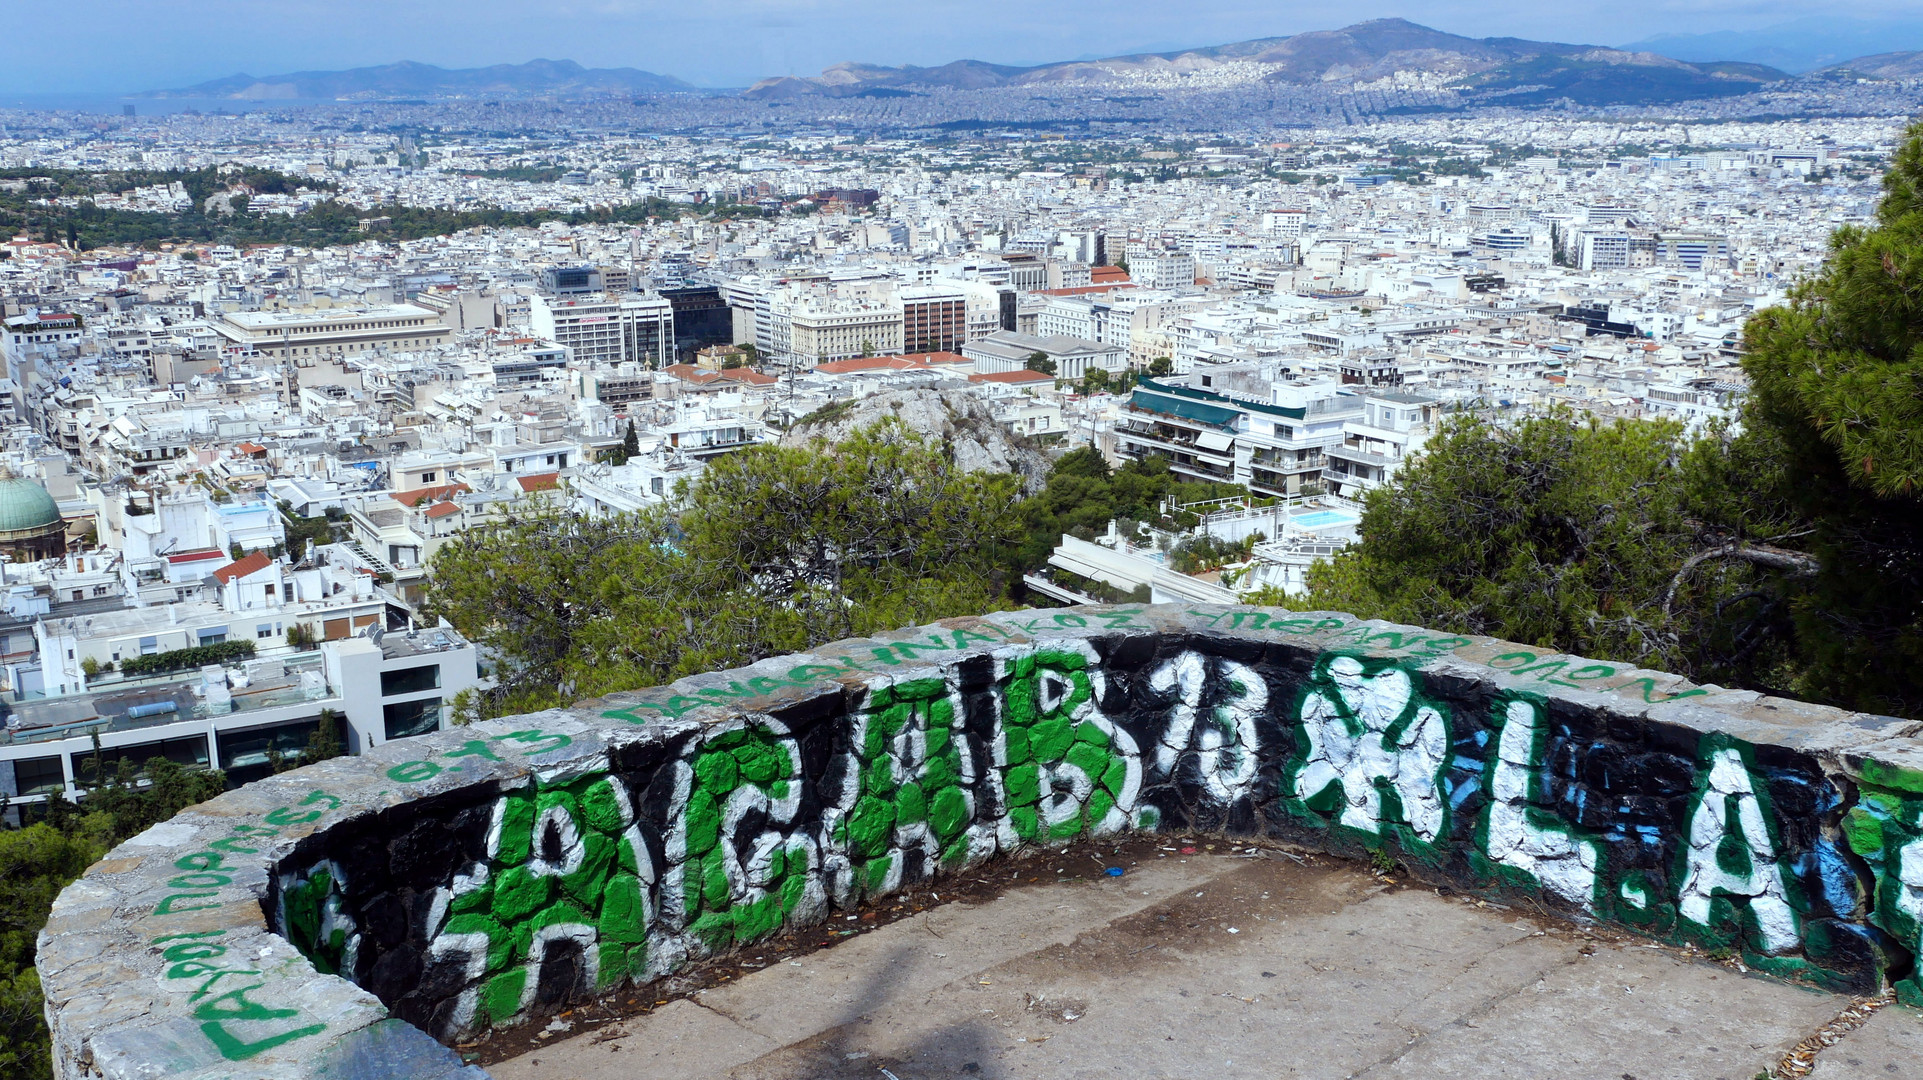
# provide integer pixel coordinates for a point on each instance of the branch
(1795, 563)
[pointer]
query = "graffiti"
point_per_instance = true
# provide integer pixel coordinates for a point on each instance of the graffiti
(1729, 858)
(312, 917)
(905, 799)
(1885, 828)
(508, 870)
(918, 756)
(739, 866)
(1227, 745)
(1069, 769)
(1517, 833)
(198, 961)
(1372, 750)
(549, 914)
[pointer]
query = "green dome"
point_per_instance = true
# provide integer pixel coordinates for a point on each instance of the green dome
(25, 505)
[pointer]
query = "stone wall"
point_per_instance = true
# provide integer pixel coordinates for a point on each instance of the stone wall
(351, 918)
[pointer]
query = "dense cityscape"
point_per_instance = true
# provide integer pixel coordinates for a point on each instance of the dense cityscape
(181, 401)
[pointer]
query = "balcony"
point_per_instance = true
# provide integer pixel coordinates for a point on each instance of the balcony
(1362, 457)
(1174, 441)
(1286, 463)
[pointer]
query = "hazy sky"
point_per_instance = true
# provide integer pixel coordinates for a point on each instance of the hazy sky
(130, 45)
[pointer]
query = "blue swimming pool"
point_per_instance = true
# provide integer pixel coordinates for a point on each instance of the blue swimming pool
(1323, 519)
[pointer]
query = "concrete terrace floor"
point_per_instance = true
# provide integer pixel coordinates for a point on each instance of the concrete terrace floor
(1247, 964)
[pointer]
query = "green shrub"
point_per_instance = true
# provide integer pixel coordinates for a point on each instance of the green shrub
(190, 657)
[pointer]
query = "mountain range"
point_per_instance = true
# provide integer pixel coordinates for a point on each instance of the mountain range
(1797, 46)
(1392, 52)
(411, 80)
(1379, 54)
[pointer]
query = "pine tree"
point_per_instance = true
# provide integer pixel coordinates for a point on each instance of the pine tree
(1836, 414)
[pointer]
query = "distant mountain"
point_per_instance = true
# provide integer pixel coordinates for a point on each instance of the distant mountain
(411, 80)
(1889, 65)
(1797, 46)
(1387, 52)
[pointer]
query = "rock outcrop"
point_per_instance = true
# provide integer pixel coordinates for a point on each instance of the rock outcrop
(961, 420)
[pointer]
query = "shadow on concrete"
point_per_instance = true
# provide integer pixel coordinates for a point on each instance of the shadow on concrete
(968, 1051)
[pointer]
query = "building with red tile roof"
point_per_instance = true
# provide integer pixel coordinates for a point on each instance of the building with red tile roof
(1015, 378)
(429, 494)
(244, 567)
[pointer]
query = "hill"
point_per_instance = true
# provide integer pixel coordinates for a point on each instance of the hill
(1386, 51)
(1889, 65)
(411, 80)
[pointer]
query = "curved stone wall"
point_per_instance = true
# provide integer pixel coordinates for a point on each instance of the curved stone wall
(351, 918)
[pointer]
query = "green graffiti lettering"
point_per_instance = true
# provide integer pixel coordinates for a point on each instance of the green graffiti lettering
(413, 772)
(1522, 841)
(190, 950)
(1546, 671)
(233, 1049)
(472, 748)
(554, 740)
(166, 905)
(802, 674)
(1649, 691)
(907, 650)
(199, 881)
(1730, 856)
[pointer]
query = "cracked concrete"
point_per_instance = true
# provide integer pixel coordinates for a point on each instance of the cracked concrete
(1229, 967)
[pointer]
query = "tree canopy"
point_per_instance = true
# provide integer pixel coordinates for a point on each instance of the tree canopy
(1835, 417)
(772, 549)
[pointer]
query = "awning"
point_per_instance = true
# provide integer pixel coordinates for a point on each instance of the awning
(1212, 441)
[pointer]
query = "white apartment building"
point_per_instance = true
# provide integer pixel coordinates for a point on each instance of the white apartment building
(820, 327)
(1284, 222)
(603, 329)
(1275, 441)
(1153, 266)
(1393, 425)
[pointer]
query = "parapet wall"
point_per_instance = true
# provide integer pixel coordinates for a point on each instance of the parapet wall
(352, 918)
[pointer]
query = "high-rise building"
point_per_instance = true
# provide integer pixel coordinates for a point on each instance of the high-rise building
(934, 318)
(599, 329)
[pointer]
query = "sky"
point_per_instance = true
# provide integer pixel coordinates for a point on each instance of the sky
(114, 46)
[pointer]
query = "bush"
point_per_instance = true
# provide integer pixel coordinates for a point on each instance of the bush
(191, 657)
